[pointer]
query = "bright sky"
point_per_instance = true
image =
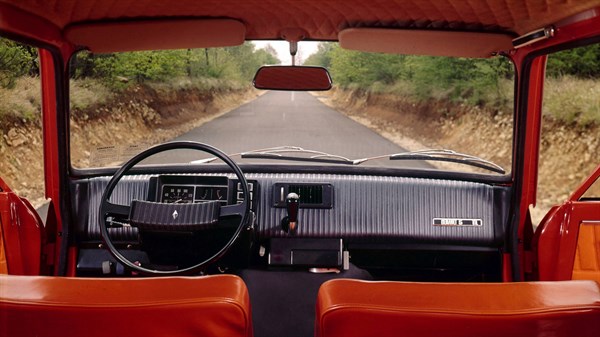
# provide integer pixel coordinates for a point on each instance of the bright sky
(305, 49)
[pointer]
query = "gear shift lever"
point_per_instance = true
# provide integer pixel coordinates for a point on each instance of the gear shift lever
(290, 223)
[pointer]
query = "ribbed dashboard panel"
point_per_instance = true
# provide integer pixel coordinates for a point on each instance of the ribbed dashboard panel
(366, 208)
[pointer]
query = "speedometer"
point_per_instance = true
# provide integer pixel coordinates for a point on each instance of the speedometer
(178, 194)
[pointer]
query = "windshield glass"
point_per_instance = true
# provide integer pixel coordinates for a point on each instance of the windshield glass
(383, 111)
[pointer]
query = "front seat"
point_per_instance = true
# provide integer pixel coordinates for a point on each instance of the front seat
(168, 306)
(359, 308)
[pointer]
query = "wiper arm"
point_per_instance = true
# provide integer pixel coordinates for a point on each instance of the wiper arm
(279, 153)
(291, 152)
(449, 156)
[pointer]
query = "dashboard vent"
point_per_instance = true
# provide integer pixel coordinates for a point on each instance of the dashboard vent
(312, 195)
(309, 194)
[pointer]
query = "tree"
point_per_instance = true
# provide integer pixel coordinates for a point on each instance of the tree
(16, 60)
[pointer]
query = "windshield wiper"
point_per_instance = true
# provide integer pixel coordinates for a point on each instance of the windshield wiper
(448, 156)
(279, 153)
(291, 152)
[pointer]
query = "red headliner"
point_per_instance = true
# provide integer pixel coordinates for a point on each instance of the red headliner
(322, 19)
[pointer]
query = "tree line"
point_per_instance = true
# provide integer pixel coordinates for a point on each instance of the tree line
(234, 63)
(476, 81)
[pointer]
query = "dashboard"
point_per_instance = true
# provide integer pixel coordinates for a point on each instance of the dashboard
(434, 224)
(399, 210)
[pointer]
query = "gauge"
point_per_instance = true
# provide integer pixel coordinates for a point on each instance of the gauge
(220, 194)
(204, 193)
(178, 194)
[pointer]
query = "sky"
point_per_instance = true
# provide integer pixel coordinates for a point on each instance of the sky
(305, 49)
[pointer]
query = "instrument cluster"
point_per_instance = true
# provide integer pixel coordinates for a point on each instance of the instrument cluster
(186, 189)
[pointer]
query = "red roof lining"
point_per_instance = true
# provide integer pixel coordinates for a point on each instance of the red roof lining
(323, 19)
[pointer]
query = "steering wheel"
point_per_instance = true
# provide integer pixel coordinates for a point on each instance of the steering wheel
(172, 216)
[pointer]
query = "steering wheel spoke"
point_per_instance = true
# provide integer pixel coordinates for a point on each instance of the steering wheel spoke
(115, 210)
(237, 209)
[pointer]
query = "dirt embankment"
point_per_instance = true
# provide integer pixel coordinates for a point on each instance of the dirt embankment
(139, 115)
(569, 153)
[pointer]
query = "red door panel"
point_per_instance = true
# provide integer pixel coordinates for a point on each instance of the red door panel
(567, 242)
(22, 233)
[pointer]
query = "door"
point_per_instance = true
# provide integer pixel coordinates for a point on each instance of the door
(567, 241)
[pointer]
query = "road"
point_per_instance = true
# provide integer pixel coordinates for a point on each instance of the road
(280, 118)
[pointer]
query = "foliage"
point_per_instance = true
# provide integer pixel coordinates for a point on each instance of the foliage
(322, 56)
(16, 60)
(94, 78)
(572, 89)
(462, 80)
(582, 62)
(234, 63)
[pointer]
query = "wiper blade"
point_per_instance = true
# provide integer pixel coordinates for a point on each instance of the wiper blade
(291, 153)
(448, 156)
(279, 153)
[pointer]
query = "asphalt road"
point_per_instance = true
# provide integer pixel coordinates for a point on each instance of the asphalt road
(280, 118)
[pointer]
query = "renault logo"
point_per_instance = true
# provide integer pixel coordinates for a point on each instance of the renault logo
(175, 215)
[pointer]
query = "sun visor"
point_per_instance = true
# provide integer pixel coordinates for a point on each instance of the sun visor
(424, 42)
(156, 34)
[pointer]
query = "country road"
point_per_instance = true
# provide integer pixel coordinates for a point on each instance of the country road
(280, 118)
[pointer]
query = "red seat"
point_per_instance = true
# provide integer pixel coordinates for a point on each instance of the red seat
(358, 308)
(170, 306)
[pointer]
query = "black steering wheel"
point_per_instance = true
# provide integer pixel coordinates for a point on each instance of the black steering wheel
(172, 216)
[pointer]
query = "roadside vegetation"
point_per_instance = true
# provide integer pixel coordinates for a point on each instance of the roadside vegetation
(572, 90)
(98, 79)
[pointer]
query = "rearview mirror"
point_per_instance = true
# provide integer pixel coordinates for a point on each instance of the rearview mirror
(298, 78)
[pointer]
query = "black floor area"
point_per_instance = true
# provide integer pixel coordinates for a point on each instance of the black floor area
(283, 302)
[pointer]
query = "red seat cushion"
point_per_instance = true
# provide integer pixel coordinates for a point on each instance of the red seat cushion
(169, 306)
(358, 308)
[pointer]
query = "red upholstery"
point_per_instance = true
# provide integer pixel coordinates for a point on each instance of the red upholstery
(170, 306)
(358, 308)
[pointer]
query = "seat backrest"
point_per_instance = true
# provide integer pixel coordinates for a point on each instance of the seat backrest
(169, 306)
(360, 308)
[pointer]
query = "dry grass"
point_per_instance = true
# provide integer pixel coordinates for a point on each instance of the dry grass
(572, 100)
(566, 99)
(201, 84)
(23, 102)
(87, 92)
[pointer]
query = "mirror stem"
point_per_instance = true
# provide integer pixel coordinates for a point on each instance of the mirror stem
(293, 51)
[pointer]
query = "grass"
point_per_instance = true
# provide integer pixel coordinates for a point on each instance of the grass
(88, 92)
(200, 83)
(571, 100)
(22, 102)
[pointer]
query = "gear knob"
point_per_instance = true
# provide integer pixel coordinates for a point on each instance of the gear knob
(290, 223)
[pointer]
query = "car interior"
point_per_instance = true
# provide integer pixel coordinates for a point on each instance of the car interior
(304, 244)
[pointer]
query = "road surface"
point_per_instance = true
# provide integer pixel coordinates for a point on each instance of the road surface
(280, 118)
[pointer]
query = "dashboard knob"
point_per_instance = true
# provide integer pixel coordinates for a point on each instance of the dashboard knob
(290, 223)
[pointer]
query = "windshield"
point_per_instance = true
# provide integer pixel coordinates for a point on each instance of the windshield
(393, 111)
